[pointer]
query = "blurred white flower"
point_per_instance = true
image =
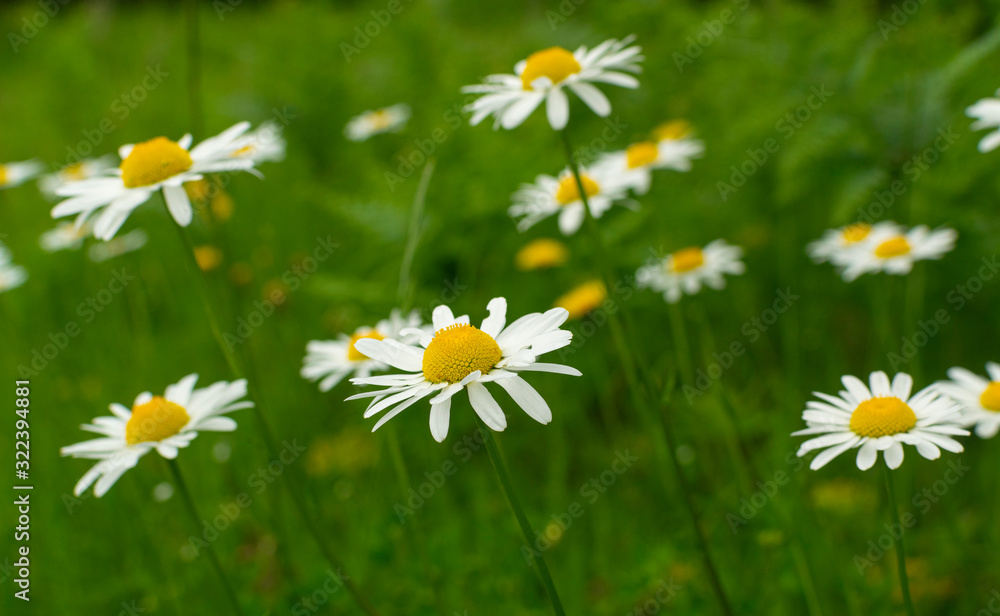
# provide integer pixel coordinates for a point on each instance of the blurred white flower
(550, 195)
(11, 276)
(686, 270)
(65, 236)
(116, 247)
(371, 123)
(978, 397)
(883, 418)
(266, 143)
(542, 77)
(894, 251)
(986, 112)
(87, 168)
(15, 174)
(146, 168)
(835, 243)
(636, 163)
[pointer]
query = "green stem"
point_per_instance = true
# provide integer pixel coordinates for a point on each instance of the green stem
(904, 580)
(196, 519)
(236, 368)
(522, 519)
(664, 444)
(413, 235)
(681, 346)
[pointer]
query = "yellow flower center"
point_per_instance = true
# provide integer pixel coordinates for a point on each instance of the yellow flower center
(541, 253)
(883, 416)
(672, 130)
(583, 299)
(896, 247)
(154, 421)
(3, 175)
(208, 257)
(991, 397)
(555, 63)
(853, 234)
(457, 351)
(569, 192)
(74, 172)
(381, 119)
(353, 353)
(153, 161)
(641, 154)
(687, 259)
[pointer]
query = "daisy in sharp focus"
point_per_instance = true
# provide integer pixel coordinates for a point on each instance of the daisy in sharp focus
(635, 164)
(329, 361)
(545, 75)
(882, 418)
(15, 174)
(550, 195)
(894, 251)
(835, 243)
(164, 423)
(460, 356)
(146, 168)
(85, 169)
(370, 123)
(11, 276)
(979, 398)
(986, 112)
(686, 270)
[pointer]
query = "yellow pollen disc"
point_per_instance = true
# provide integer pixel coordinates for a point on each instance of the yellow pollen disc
(569, 192)
(3, 175)
(208, 257)
(73, 172)
(896, 247)
(991, 397)
(154, 421)
(153, 161)
(540, 254)
(353, 353)
(883, 416)
(457, 351)
(641, 154)
(687, 259)
(555, 63)
(583, 299)
(672, 130)
(853, 234)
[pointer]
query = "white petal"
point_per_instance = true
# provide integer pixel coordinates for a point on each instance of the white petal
(178, 204)
(867, 455)
(440, 416)
(527, 398)
(594, 98)
(494, 323)
(486, 407)
(557, 108)
(894, 455)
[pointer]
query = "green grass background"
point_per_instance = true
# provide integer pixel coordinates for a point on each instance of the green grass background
(891, 94)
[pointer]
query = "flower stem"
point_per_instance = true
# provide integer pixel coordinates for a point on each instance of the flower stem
(192, 510)
(681, 346)
(413, 236)
(522, 519)
(904, 580)
(236, 368)
(664, 445)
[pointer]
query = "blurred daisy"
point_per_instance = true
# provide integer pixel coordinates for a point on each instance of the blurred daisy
(978, 397)
(371, 123)
(116, 247)
(583, 299)
(686, 270)
(83, 170)
(263, 144)
(673, 130)
(11, 276)
(550, 195)
(165, 423)
(541, 254)
(894, 251)
(883, 418)
(986, 112)
(543, 77)
(836, 242)
(460, 356)
(145, 169)
(636, 163)
(66, 236)
(332, 360)
(15, 174)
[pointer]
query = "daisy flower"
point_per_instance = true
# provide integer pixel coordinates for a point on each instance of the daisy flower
(895, 251)
(460, 356)
(15, 174)
(543, 77)
(263, 144)
(883, 418)
(118, 246)
(146, 168)
(636, 163)
(332, 360)
(550, 195)
(165, 423)
(65, 236)
(978, 397)
(986, 112)
(583, 299)
(370, 123)
(11, 276)
(542, 253)
(686, 270)
(836, 242)
(85, 169)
